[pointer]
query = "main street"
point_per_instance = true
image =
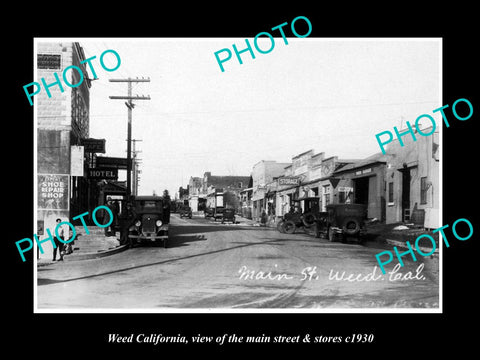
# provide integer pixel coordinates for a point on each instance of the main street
(213, 266)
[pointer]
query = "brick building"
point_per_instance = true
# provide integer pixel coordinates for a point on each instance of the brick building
(62, 122)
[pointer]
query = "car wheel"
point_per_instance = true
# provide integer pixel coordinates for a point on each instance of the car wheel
(289, 227)
(308, 219)
(280, 227)
(351, 226)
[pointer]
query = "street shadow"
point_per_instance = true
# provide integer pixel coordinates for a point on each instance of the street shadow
(193, 229)
(177, 240)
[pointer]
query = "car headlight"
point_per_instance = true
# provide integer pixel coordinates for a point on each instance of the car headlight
(138, 223)
(159, 223)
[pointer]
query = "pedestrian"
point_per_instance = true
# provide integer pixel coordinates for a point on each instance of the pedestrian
(127, 219)
(116, 212)
(58, 244)
(263, 218)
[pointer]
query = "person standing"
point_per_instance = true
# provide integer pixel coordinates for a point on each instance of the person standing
(127, 219)
(116, 212)
(59, 245)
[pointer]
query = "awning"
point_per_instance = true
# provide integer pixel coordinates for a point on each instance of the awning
(287, 191)
(258, 195)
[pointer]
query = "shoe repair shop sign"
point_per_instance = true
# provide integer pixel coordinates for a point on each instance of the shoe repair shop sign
(53, 192)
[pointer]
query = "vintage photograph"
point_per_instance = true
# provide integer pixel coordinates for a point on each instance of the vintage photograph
(237, 175)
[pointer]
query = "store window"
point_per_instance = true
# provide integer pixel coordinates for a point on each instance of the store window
(390, 193)
(325, 197)
(423, 190)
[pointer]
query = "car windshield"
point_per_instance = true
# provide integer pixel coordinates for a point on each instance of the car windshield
(149, 205)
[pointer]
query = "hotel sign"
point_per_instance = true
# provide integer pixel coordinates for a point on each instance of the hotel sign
(103, 173)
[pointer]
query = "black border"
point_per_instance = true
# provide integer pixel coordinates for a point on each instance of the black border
(410, 334)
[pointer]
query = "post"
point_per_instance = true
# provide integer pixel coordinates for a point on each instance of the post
(130, 106)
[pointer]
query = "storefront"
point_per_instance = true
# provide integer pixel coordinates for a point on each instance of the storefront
(412, 181)
(287, 190)
(246, 201)
(363, 182)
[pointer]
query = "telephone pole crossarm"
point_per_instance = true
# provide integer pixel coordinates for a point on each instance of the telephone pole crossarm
(130, 97)
(130, 80)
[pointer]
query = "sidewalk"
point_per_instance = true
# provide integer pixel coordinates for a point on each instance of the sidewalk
(398, 234)
(89, 246)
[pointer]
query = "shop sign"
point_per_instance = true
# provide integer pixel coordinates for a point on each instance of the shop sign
(365, 171)
(111, 162)
(290, 180)
(301, 169)
(53, 192)
(94, 145)
(76, 160)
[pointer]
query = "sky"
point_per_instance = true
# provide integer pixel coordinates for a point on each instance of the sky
(330, 95)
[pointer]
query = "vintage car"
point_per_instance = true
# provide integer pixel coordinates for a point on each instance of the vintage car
(295, 219)
(151, 220)
(228, 215)
(185, 211)
(218, 214)
(342, 222)
(209, 212)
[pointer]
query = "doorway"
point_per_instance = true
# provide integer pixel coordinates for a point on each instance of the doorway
(361, 190)
(406, 178)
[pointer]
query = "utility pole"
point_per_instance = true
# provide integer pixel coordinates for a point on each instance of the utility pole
(130, 107)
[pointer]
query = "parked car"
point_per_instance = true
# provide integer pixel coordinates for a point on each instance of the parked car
(295, 219)
(186, 211)
(151, 220)
(342, 222)
(218, 214)
(228, 215)
(290, 222)
(209, 212)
